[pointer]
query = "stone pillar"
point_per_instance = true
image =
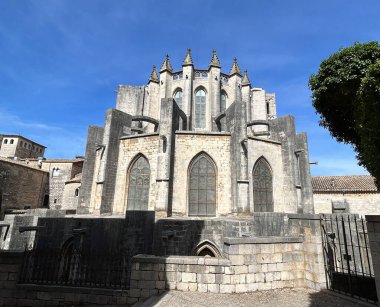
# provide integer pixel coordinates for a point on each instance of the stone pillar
(214, 88)
(236, 124)
(259, 112)
(169, 123)
(283, 130)
(306, 204)
(187, 93)
(94, 137)
(117, 125)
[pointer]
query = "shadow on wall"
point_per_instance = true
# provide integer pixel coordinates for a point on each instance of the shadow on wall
(188, 237)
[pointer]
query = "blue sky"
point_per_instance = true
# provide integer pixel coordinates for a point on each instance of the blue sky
(62, 60)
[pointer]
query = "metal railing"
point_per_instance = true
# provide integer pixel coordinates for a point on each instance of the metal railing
(74, 268)
(348, 262)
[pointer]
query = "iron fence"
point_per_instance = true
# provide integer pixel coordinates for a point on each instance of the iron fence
(74, 268)
(348, 262)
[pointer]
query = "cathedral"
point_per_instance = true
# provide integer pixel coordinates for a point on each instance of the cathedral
(195, 143)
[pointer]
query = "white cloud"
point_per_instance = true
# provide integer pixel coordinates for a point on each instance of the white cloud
(10, 121)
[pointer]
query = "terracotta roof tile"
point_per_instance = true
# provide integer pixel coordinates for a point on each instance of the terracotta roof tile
(353, 183)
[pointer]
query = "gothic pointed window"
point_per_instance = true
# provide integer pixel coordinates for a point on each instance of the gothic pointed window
(178, 98)
(262, 187)
(200, 109)
(138, 188)
(202, 187)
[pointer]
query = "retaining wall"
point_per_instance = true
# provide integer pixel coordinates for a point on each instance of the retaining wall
(13, 294)
(253, 264)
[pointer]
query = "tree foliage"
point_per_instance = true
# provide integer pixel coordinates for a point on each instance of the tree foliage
(346, 94)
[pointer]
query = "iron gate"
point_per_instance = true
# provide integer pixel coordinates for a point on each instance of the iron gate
(347, 256)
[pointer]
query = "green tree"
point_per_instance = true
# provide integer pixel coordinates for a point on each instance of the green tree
(369, 121)
(346, 95)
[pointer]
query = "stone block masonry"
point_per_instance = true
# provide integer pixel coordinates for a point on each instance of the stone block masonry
(253, 264)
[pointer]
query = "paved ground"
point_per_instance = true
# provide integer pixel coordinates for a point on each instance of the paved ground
(282, 298)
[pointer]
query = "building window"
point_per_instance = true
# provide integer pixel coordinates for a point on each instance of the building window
(177, 76)
(5, 141)
(201, 74)
(11, 141)
(21, 143)
(76, 191)
(200, 109)
(262, 187)
(25, 145)
(55, 172)
(202, 187)
(138, 185)
(178, 98)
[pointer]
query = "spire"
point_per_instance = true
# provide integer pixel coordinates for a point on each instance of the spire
(235, 69)
(214, 60)
(153, 76)
(245, 80)
(166, 66)
(188, 60)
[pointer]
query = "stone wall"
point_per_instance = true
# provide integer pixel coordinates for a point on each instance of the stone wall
(253, 264)
(308, 225)
(57, 181)
(358, 203)
(16, 241)
(268, 251)
(12, 294)
(21, 186)
(70, 196)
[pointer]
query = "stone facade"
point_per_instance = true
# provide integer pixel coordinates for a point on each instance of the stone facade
(64, 180)
(195, 114)
(19, 147)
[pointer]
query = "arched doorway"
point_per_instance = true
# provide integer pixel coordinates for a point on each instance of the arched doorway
(202, 186)
(138, 185)
(262, 186)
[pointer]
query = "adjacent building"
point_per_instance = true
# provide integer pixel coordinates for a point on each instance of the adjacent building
(346, 194)
(29, 181)
(19, 147)
(22, 186)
